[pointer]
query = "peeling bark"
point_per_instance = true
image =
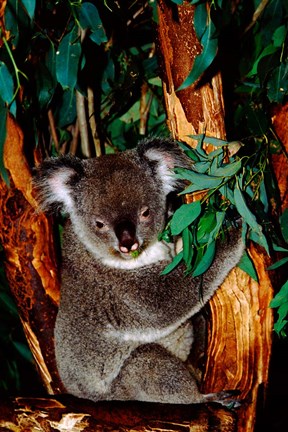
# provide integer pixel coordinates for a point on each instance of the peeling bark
(280, 159)
(198, 108)
(30, 258)
(75, 415)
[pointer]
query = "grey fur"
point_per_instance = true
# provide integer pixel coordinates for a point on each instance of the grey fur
(123, 330)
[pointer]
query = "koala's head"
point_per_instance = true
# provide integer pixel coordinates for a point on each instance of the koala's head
(117, 203)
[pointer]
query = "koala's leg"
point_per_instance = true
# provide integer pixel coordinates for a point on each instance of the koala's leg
(179, 342)
(152, 374)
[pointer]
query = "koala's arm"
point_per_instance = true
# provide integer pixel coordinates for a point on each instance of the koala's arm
(144, 300)
(179, 296)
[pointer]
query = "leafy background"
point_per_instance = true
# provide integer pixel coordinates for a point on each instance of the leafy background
(89, 69)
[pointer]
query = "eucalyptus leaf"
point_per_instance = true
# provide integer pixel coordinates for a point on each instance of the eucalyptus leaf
(263, 196)
(280, 326)
(284, 224)
(281, 297)
(278, 264)
(202, 167)
(244, 211)
(89, 19)
(6, 84)
(50, 61)
(66, 109)
(13, 108)
(277, 86)
(227, 170)
(190, 189)
(270, 49)
(256, 234)
(174, 263)
(215, 155)
(13, 19)
(184, 216)
(30, 7)
(199, 181)
(45, 85)
(279, 248)
(187, 239)
(279, 36)
(190, 152)
(206, 260)
(3, 121)
(217, 142)
(228, 193)
(200, 20)
(246, 264)
(205, 225)
(282, 312)
(220, 217)
(67, 59)
(260, 238)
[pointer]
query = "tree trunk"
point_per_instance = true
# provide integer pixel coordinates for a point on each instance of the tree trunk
(30, 258)
(240, 329)
(280, 159)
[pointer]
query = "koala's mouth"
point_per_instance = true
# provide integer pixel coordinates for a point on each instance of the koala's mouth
(133, 254)
(129, 255)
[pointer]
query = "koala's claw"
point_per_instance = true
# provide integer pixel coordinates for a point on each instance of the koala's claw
(226, 398)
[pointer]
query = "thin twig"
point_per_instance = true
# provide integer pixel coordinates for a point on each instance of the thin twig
(137, 13)
(144, 108)
(257, 14)
(92, 122)
(81, 113)
(83, 128)
(75, 137)
(53, 131)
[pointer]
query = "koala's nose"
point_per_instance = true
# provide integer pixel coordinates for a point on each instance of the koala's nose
(126, 234)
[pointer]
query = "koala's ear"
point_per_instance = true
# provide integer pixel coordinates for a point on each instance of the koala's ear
(54, 180)
(164, 155)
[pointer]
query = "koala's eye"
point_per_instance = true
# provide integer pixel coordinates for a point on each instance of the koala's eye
(145, 213)
(100, 225)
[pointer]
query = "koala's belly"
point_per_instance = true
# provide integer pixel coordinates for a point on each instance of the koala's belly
(177, 340)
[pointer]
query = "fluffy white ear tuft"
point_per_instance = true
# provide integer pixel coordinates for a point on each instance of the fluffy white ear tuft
(56, 190)
(163, 155)
(53, 181)
(165, 165)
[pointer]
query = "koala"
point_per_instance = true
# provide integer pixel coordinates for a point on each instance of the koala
(123, 330)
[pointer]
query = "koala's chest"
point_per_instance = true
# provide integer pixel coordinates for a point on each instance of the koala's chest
(112, 298)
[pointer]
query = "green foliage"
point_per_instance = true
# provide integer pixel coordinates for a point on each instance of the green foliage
(105, 54)
(230, 185)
